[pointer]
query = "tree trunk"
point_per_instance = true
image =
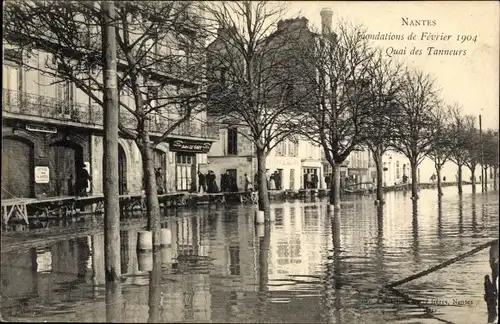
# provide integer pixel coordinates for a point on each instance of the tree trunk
(473, 176)
(485, 179)
(495, 169)
(439, 185)
(152, 204)
(111, 192)
(414, 180)
(380, 181)
(263, 193)
(335, 187)
(460, 190)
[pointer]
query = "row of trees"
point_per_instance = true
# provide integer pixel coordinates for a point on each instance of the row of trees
(274, 79)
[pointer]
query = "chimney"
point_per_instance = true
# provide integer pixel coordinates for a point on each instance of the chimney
(326, 20)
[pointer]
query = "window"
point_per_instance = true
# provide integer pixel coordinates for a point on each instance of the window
(281, 149)
(232, 141)
(293, 147)
(397, 169)
(292, 179)
(65, 96)
(10, 86)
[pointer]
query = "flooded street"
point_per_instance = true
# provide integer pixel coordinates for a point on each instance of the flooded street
(308, 267)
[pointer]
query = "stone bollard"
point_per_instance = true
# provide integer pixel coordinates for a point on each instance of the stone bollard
(144, 241)
(166, 236)
(261, 230)
(259, 217)
(145, 260)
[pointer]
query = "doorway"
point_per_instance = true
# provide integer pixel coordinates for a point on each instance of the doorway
(65, 158)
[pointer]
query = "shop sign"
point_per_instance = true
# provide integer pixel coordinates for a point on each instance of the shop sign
(179, 145)
(42, 174)
(41, 128)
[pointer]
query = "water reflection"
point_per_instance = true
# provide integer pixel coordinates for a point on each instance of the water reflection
(310, 266)
(414, 226)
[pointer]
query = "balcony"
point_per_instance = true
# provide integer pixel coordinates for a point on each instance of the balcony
(52, 110)
(22, 103)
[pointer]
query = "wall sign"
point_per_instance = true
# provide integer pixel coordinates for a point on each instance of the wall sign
(41, 128)
(179, 145)
(42, 174)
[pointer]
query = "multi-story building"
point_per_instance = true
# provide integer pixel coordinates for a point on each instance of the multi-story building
(293, 158)
(51, 128)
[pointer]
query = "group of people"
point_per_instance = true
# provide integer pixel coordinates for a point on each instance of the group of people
(274, 181)
(311, 180)
(208, 182)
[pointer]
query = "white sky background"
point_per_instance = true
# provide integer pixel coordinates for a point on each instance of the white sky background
(471, 80)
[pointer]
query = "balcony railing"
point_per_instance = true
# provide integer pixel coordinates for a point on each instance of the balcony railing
(27, 104)
(48, 107)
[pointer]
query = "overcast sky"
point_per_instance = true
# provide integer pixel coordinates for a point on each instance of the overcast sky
(471, 80)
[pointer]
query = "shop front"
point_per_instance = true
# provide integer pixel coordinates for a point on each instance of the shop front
(312, 175)
(186, 162)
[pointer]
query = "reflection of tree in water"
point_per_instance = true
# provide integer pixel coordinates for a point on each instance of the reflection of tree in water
(264, 247)
(155, 289)
(414, 223)
(114, 303)
(474, 214)
(460, 215)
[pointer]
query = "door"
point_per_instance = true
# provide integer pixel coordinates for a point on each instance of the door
(17, 169)
(233, 176)
(64, 159)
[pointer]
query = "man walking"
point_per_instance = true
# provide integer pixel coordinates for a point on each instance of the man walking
(82, 181)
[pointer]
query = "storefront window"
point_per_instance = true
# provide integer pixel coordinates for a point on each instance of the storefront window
(185, 164)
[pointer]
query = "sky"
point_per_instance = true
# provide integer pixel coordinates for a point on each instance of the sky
(471, 80)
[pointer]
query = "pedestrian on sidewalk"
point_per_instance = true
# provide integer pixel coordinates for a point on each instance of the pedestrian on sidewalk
(248, 184)
(202, 185)
(159, 181)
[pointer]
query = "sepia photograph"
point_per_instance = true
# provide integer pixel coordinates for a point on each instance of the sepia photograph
(250, 162)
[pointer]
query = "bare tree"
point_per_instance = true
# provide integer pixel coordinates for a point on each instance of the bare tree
(255, 87)
(460, 124)
(490, 140)
(159, 66)
(340, 79)
(472, 151)
(385, 82)
(443, 141)
(414, 125)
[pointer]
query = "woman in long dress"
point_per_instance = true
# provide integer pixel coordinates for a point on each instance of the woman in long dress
(272, 184)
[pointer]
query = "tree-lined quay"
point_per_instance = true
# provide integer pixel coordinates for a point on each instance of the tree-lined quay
(272, 80)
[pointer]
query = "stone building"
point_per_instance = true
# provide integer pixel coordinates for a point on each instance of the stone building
(51, 129)
(293, 158)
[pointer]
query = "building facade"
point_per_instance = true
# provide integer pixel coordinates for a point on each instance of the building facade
(234, 153)
(52, 128)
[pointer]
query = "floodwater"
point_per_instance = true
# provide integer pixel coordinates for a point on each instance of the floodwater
(308, 267)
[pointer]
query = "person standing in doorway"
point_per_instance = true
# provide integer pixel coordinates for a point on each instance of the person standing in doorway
(277, 180)
(308, 181)
(159, 181)
(327, 181)
(315, 180)
(82, 181)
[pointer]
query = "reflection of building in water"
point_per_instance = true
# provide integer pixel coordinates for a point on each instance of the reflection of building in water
(235, 274)
(297, 241)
